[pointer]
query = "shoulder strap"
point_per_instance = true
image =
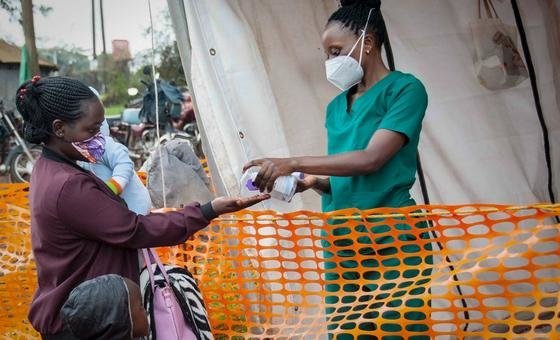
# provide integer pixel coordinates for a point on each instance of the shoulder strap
(149, 254)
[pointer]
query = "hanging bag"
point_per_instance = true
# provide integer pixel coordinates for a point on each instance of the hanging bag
(174, 303)
(498, 63)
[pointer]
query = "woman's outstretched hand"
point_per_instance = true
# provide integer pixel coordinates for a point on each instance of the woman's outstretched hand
(225, 205)
(271, 169)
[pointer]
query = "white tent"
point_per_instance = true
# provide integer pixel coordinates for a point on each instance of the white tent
(256, 71)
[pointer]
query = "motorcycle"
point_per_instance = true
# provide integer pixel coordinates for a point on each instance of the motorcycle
(136, 127)
(17, 156)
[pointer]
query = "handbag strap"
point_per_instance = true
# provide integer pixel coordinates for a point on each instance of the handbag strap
(149, 254)
(489, 6)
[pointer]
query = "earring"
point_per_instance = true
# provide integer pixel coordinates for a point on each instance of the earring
(367, 52)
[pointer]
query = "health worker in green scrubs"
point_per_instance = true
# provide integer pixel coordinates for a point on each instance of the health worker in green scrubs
(373, 128)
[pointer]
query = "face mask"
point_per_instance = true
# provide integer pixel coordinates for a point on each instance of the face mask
(344, 71)
(92, 148)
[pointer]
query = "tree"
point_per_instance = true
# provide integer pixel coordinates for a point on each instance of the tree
(168, 61)
(170, 66)
(29, 33)
(117, 79)
(13, 7)
(71, 61)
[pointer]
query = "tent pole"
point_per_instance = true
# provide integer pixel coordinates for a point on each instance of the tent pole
(536, 97)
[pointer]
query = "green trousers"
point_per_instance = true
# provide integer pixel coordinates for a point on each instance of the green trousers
(375, 251)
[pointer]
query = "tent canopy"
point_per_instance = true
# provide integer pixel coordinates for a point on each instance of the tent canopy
(257, 73)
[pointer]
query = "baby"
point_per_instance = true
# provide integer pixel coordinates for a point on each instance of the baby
(117, 170)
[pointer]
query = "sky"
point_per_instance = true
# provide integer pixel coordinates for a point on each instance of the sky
(69, 24)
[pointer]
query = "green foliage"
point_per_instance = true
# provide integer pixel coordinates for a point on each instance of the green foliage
(170, 67)
(70, 60)
(13, 8)
(117, 86)
(113, 111)
(116, 76)
(168, 61)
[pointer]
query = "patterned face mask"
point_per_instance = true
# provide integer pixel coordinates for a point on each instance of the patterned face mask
(92, 148)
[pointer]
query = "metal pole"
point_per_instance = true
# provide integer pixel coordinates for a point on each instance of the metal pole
(93, 28)
(102, 25)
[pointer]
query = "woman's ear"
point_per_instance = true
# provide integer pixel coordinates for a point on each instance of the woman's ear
(370, 45)
(58, 128)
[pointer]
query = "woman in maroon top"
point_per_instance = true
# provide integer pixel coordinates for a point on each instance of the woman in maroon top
(79, 228)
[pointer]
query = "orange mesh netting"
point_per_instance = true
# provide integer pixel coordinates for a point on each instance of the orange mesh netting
(17, 268)
(475, 272)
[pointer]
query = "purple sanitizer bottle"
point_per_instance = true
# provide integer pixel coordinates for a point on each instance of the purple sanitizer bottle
(284, 187)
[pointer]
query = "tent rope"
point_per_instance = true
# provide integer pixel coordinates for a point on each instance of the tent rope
(154, 80)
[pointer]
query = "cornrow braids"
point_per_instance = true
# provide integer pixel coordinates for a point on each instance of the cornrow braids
(42, 100)
(353, 14)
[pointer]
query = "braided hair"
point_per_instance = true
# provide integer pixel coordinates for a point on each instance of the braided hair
(353, 14)
(42, 100)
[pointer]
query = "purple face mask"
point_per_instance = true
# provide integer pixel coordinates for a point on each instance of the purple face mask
(92, 148)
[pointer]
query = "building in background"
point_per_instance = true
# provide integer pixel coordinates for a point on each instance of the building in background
(121, 50)
(10, 58)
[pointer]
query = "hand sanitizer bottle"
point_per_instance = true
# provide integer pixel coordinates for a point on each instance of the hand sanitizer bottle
(284, 187)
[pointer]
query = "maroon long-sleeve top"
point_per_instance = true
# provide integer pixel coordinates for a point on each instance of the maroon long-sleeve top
(80, 230)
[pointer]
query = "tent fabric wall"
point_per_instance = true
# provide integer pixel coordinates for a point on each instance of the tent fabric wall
(551, 13)
(234, 88)
(258, 77)
(477, 145)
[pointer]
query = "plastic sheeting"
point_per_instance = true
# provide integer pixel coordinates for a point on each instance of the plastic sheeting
(258, 78)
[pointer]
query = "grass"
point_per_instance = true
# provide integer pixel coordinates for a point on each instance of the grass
(113, 111)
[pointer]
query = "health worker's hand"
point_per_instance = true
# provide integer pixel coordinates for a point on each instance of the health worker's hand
(271, 169)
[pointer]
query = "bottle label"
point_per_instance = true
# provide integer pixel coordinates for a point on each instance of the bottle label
(284, 187)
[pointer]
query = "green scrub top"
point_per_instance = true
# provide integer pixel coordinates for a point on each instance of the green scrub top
(397, 103)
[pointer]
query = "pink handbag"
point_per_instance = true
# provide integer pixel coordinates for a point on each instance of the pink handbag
(169, 321)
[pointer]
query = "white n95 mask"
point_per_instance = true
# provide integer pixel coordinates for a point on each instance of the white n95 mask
(344, 71)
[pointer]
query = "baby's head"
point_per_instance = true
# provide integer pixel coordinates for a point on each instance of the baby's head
(106, 307)
(104, 126)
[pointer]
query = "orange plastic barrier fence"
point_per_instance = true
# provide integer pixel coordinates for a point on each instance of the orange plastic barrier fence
(445, 272)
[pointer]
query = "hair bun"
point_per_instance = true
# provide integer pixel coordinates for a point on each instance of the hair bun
(376, 4)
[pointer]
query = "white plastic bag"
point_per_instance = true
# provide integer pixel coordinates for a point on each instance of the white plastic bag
(498, 63)
(185, 180)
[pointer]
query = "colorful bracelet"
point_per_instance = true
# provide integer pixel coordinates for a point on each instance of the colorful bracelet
(114, 186)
